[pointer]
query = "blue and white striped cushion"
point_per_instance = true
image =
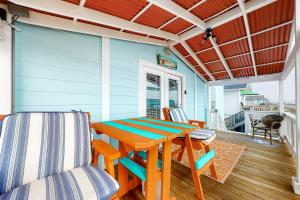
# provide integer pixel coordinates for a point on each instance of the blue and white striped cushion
(87, 182)
(202, 134)
(37, 145)
(178, 115)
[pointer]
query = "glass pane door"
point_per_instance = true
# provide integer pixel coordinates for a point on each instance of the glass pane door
(173, 96)
(173, 93)
(153, 96)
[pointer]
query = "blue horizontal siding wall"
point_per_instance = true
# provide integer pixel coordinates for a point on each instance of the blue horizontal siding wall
(57, 71)
(201, 103)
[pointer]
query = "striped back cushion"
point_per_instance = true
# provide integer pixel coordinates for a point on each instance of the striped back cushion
(37, 145)
(178, 115)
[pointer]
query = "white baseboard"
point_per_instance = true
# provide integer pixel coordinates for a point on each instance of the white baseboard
(296, 185)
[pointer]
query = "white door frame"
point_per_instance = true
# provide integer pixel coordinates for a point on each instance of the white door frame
(156, 69)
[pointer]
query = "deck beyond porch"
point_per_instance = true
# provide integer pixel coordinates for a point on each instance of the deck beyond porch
(264, 171)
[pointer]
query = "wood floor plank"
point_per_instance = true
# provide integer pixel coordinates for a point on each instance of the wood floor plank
(263, 172)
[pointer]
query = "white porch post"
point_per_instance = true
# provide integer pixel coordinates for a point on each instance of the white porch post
(208, 106)
(281, 97)
(296, 180)
(5, 66)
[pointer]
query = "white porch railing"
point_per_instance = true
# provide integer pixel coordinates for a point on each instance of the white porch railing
(258, 108)
(289, 129)
(216, 121)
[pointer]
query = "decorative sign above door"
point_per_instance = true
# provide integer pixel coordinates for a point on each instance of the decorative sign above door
(166, 62)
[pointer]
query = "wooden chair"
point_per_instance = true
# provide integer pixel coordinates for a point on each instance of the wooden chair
(194, 142)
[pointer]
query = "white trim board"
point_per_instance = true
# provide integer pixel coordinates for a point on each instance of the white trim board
(105, 83)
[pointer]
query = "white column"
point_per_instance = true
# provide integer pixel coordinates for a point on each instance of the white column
(105, 84)
(208, 105)
(281, 97)
(5, 67)
(296, 180)
(195, 97)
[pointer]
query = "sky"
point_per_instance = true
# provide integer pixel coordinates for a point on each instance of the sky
(271, 89)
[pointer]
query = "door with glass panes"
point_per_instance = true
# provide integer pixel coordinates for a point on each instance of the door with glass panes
(160, 90)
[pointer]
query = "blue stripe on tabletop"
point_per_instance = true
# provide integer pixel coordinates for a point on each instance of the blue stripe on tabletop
(167, 123)
(204, 159)
(136, 131)
(163, 128)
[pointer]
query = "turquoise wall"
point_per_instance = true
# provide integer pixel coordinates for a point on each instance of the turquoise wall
(60, 70)
(57, 71)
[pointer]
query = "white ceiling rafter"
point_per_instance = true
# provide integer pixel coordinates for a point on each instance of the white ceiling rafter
(173, 19)
(81, 4)
(70, 10)
(225, 65)
(253, 79)
(199, 62)
(139, 13)
(246, 23)
(177, 10)
(188, 63)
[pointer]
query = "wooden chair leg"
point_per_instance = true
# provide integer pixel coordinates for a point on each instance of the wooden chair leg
(196, 178)
(271, 136)
(265, 134)
(180, 156)
(212, 167)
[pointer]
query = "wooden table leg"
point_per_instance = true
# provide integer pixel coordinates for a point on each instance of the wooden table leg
(166, 170)
(151, 173)
(196, 178)
(122, 172)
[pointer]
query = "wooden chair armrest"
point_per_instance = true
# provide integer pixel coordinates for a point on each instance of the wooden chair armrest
(109, 153)
(201, 124)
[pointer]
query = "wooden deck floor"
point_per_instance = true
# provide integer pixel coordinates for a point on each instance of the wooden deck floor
(263, 172)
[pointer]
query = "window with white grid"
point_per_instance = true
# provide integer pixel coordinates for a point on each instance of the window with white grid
(153, 96)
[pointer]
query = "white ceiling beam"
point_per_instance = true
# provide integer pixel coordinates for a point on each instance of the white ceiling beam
(199, 62)
(177, 10)
(246, 23)
(193, 68)
(141, 12)
(173, 19)
(68, 25)
(253, 79)
(215, 45)
(81, 4)
(74, 11)
(226, 17)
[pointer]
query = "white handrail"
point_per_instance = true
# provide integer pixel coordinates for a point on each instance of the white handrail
(216, 121)
(290, 131)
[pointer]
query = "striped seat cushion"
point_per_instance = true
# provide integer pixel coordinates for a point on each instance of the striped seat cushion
(178, 115)
(36, 145)
(202, 134)
(81, 183)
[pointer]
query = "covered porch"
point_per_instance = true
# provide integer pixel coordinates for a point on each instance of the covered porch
(123, 62)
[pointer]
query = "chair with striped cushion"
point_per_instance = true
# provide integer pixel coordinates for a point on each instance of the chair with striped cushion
(49, 156)
(201, 138)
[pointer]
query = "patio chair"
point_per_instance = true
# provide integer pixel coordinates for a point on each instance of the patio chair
(269, 124)
(49, 156)
(200, 139)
